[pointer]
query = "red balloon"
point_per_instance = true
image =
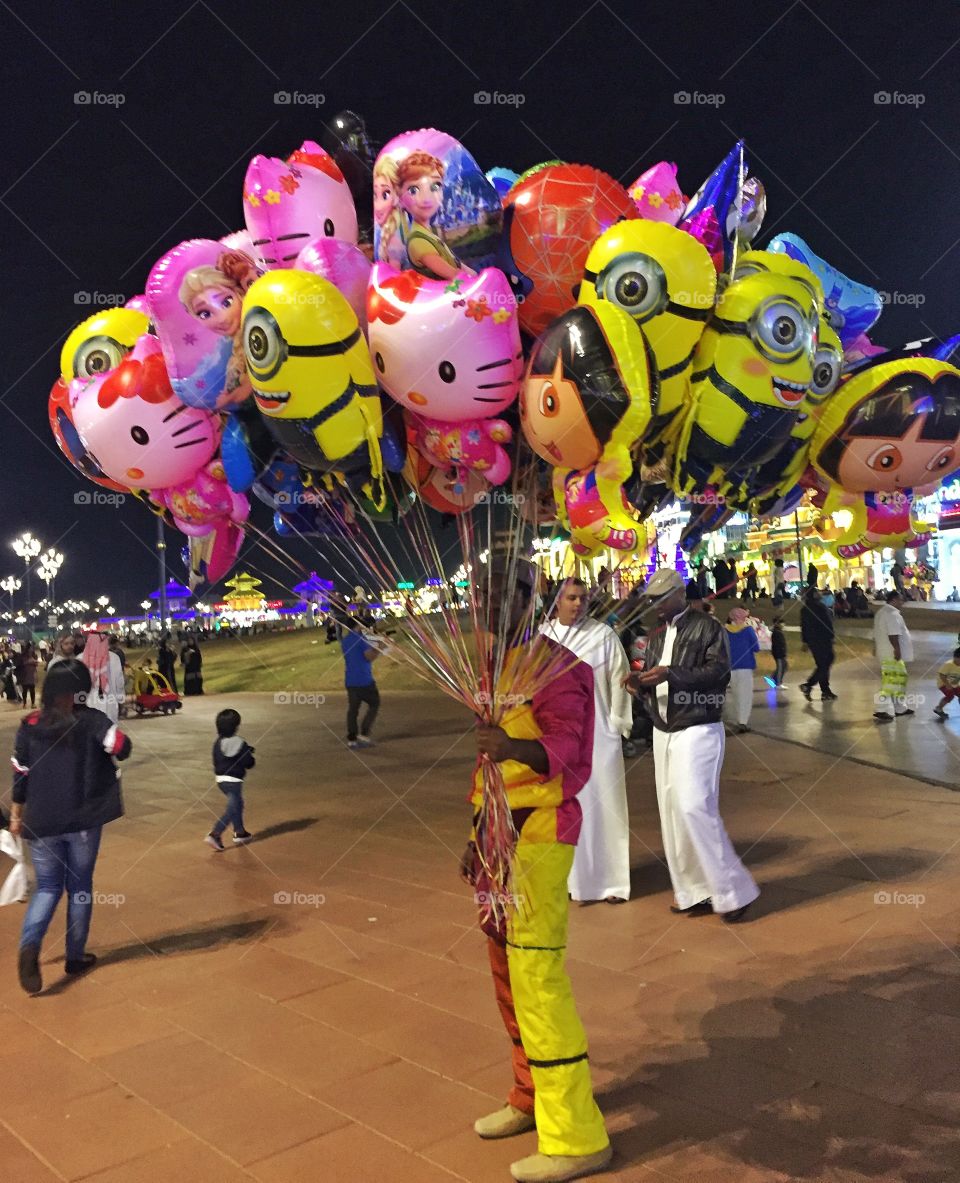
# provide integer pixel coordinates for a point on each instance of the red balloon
(558, 213)
(61, 424)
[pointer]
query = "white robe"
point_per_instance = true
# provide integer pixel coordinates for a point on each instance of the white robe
(601, 864)
(110, 701)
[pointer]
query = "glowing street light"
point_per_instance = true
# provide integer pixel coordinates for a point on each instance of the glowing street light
(50, 563)
(27, 547)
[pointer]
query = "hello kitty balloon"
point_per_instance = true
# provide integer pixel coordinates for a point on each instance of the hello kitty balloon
(450, 354)
(136, 430)
(287, 203)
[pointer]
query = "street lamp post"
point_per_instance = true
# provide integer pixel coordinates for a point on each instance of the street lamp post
(50, 563)
(27, 548)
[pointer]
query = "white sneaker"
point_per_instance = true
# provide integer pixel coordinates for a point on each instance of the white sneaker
(364, 741)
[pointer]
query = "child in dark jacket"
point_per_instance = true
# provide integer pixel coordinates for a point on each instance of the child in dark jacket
(232, 756)
(778, 651)
(66, 788)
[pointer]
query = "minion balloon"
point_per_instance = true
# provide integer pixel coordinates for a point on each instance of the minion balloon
(311, 375)
(665, 281)
(100, 343)
(778, 475)
(751, 371)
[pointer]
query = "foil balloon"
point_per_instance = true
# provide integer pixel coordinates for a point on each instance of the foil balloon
(585, 402)
(203, 501)
(138, 304)
(288, 203)
(98, 344)
(60, 416)
(708, 212)
(434, 209)
(657, 194)
(782, 472)
(746, 216)
(240, 240)
(137, 431)
(345, 138)
(450, 491)
(450, 354)
(852, 308)
(502, 179)
(210, 556)
(665, 281)
(195, 295)
(877, 520)
(311, 374)
(893, 425)
(751, 372)
(552, 219)
(342, 264)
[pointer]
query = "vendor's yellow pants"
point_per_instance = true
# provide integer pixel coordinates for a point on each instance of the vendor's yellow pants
(568, 1120)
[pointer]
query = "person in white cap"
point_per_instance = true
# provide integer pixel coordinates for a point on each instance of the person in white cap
(601, 865)
(687, 668)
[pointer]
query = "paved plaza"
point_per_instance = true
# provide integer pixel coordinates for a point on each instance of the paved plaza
(317, 1006)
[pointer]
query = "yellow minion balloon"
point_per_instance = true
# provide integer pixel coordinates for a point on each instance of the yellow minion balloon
(755, 262)
(311, 373)
(100, 343)
(751, 371)
(663, 279)
(778, 475)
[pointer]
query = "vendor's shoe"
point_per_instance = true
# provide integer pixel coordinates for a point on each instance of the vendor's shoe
(81, 966)
(703, 908)
(215, 841)
(828, 696)
(805, 691)
(556, 1168)
(28, 968)
(504, 1123)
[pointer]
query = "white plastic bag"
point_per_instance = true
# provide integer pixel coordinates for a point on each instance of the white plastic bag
(16, 886)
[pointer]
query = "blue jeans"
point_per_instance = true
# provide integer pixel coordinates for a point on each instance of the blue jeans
(233, 814)
(63, 861)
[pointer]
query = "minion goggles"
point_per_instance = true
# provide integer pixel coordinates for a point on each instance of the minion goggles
(779, 328)
(637, 283)
(268, 350)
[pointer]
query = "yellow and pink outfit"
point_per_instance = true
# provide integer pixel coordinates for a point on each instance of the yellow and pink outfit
(551, 1073)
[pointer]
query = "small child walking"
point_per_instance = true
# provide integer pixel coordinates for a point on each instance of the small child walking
(948, 683)
(232, 757)
(778, 651)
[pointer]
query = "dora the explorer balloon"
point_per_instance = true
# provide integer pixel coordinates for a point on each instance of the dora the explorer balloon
(893, 426)
(585, 402)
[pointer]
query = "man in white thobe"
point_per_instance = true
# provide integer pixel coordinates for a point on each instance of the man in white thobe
(601, 864)
(894, 648)
(687, 667)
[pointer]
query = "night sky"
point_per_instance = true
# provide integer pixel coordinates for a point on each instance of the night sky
(93, 193)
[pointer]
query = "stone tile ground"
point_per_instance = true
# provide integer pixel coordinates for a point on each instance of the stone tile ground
(316, 1007)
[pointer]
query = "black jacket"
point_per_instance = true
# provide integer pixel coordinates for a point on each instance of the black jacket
(232, 756)
(66, 779)
(699, 672)
(816, 627)
(778, 644)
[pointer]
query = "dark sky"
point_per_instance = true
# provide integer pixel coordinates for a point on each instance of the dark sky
(94, 194)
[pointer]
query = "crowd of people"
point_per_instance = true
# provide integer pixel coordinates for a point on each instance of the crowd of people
(670, 662)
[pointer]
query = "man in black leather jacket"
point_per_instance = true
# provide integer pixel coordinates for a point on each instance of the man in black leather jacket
(686, 671)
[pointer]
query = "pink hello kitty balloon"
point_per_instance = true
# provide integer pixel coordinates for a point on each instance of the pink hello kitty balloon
(657, 195)
(137, 431)
(195, 296)
(288, 203)
(342, 264)
(240, 240)
(450, 353)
